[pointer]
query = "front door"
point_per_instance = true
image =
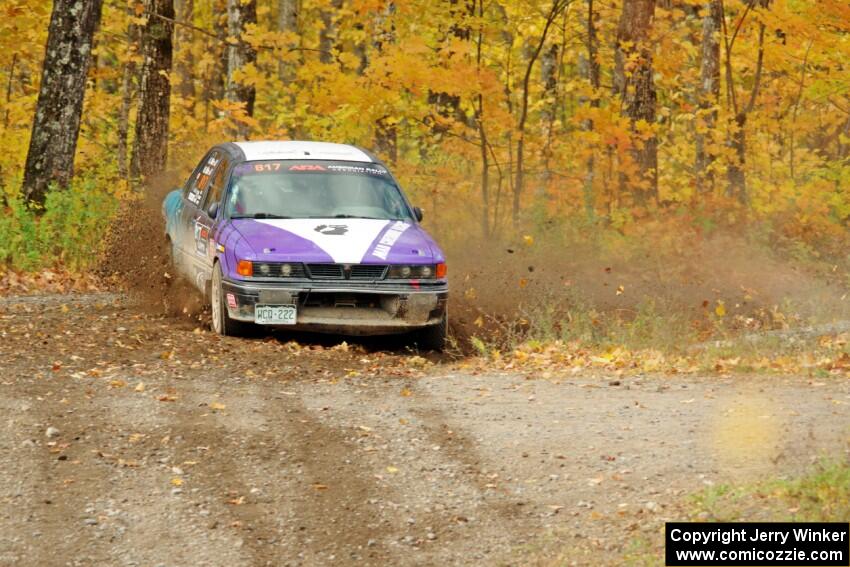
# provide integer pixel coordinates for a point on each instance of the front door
(190, 251)
(205, 224)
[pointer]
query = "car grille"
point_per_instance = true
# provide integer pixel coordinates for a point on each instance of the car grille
(296, 270)
(367, 272)
(326, 271)
(321, 271)
(346, 272)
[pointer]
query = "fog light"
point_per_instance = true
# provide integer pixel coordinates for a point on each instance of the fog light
(405, 271)
(425, 271)
(264, 269)
(286, 270)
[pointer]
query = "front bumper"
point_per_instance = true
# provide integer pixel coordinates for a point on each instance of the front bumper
(343, 307)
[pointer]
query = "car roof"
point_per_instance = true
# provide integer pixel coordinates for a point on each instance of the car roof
(291, 149)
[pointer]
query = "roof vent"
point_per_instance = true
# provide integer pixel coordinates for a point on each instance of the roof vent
(306, 153)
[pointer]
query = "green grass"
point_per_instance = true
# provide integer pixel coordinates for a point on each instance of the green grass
(68, 232)
(820, 495)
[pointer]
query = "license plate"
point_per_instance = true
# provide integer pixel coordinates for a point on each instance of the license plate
(274, 314)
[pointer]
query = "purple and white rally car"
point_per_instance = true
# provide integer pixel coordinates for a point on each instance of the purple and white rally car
(312, 235)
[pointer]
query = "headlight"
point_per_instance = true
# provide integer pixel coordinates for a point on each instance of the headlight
(424, 272)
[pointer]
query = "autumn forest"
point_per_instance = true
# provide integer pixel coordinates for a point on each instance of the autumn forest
(496, 113)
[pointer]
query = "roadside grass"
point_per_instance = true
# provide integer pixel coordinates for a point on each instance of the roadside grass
(66, 235)
(822, 494)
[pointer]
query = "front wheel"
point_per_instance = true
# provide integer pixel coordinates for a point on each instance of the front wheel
(433, 337)
(222, 323)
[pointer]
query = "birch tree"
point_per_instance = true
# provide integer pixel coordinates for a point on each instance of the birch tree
(56, 126)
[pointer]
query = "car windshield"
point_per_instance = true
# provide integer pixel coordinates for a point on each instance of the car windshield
(314, 189)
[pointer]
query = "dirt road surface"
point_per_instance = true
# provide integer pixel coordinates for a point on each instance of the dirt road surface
(133, 439)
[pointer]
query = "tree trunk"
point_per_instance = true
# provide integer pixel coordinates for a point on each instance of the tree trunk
(593, 74)
(735, 173)
(327, 35)
(216, 77)
(128, 89)
(150, 148)
(56, 126)
(482, 133)
(737, 141)
(185, 60)
(287, 22)
(637, 89)
(239, 15)
(558, 6)
(708, 93)
(448, 105)
(386, 133)
(550, 74)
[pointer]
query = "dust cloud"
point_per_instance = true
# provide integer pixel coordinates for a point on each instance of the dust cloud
(560, 287)
(138, 258)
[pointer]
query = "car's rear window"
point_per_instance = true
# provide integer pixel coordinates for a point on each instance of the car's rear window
(315, 189)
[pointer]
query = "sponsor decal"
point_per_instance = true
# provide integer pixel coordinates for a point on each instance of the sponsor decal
(332, 229)
(202, 235)
(231, 301)
(278, 166)
(382, 249)
(194, 196)
(306, 167)
(357, 169)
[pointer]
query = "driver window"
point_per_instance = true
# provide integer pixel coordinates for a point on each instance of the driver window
(217, 184)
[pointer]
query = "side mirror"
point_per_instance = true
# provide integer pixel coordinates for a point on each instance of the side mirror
(417, 212)
(212, 210)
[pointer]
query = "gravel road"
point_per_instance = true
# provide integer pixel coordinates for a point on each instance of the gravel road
(133, 439)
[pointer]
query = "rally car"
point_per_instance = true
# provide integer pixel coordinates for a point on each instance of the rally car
(307, 235)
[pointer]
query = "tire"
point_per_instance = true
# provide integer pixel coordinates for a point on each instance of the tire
(222, 324)
(433, 337)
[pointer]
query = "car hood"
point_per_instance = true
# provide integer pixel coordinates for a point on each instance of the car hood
(343, 241)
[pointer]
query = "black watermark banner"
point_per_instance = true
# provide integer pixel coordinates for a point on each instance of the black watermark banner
(757, 543)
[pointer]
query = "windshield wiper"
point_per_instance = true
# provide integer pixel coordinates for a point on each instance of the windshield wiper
(260, 216)
(344, 216)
